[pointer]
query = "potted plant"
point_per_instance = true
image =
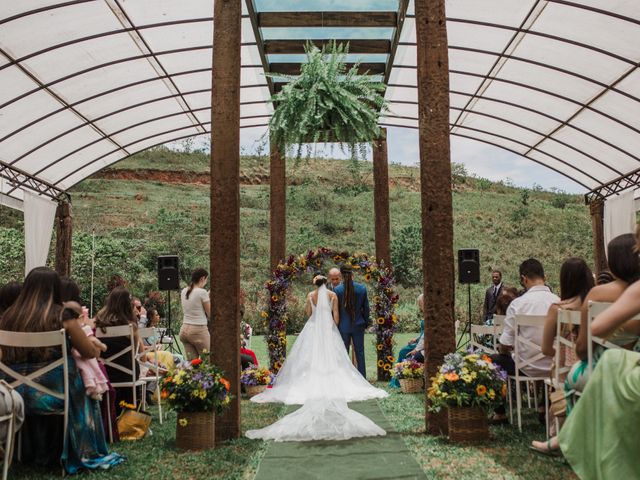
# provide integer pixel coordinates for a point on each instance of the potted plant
(327, 102)
(256, 379)
(198, 391)
(410, 374)
(468, 385)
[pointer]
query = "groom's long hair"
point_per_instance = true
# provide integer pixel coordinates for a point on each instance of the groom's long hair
(349, 302)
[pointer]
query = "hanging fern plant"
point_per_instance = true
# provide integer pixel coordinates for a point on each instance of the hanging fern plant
(327, 103)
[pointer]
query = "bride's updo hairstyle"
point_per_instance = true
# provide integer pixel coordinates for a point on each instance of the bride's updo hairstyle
(319, 280)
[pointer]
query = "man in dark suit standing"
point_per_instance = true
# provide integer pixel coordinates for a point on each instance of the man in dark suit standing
(354, 314)
(491, 295)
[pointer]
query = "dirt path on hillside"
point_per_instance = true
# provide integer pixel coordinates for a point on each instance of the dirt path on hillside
(246, 178)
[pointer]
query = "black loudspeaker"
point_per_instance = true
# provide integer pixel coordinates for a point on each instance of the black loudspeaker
(168, 276)
(469, 265)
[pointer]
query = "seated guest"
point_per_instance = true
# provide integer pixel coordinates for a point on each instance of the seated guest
(625, 269)
(118, 310)
(576, 280)
(600, 437)
(8, 294)
(507, 295)
(410, 348)
(535, 301)
(623, 264)
(141, 312)
(247, 356)
(38, 308)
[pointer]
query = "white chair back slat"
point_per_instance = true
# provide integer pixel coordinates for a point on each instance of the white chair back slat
(31, 340)
(477, 331)
(568, 321)
(526, 321)
(117, 331)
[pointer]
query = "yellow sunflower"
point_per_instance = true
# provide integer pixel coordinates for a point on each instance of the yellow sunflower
(380, 320)
(387, 367)
(481, 390)
(367, 277)
(379, 347)
(380, 363)
(274, 298)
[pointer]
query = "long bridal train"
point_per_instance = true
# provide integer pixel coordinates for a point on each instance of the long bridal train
(319, 375)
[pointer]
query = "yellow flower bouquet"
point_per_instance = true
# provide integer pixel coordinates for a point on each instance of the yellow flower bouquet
(467, 381)
(196, 386)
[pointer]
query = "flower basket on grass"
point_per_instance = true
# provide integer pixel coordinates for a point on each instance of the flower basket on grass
(198, 391)
(256, 379)
(469, 386)
(410, 374)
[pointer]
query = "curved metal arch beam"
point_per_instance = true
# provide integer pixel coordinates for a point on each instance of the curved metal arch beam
(537, 64)
(110, 63)
(586, 187)
(537, 112)
(124, 109)
(564, 162)
(118, 89)
(157, 134)
(535, 89)
(510, 122)
(128, 127)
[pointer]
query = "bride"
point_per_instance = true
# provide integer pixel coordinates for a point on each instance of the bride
(319, 375)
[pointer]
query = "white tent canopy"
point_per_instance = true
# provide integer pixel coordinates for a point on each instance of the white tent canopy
(86, 83)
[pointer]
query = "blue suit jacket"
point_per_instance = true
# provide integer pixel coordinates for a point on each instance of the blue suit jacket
(361, 309)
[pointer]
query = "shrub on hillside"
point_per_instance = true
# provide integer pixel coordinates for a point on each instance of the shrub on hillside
(406, 255)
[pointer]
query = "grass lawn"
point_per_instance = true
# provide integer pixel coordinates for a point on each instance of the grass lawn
(506, 456)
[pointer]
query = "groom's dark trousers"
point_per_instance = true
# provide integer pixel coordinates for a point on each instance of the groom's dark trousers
(353, 329)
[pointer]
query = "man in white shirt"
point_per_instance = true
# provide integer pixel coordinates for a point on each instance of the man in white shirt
(535, 301)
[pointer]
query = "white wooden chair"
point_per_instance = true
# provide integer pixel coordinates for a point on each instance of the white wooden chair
(568, 320)
(498, 323)
(55, 338)
(134, 383)
(595, 309)
(8, 441)
(477, 334)
(153, 374)
(524, 321)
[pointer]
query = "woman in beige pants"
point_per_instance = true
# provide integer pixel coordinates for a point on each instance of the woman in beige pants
(196, 308)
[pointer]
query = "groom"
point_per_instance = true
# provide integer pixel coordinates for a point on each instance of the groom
(354, 314)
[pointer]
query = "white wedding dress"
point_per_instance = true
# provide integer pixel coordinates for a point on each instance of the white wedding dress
(319, 375)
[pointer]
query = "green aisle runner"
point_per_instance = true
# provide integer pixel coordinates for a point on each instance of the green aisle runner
(359, 458)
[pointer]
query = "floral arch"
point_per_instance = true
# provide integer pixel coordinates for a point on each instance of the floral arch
(384, 301)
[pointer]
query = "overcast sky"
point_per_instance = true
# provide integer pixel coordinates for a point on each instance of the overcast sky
(480, 159)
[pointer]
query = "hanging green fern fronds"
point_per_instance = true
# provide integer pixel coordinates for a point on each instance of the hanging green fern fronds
(327, 103)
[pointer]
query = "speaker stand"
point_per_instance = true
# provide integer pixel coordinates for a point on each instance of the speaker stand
(467, 326)
(173, 345)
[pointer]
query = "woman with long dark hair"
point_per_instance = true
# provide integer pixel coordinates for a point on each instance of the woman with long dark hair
(38, 308)
(196, 308)
(576, 280)
(117, 311)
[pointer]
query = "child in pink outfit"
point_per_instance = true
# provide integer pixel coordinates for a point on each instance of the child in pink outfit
(95, 382)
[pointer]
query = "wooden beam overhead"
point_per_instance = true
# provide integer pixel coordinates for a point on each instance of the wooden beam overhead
(272, 47)
(294, 68)
(327, 19)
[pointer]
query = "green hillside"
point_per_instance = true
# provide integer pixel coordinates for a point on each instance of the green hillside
(157, 202)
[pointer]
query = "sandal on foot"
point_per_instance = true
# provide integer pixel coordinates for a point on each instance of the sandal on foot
(550, 452)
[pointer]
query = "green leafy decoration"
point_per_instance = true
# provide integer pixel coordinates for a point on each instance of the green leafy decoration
(327, 103)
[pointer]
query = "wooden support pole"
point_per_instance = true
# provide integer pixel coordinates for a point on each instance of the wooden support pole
(381, 199)
(64, 231)
(225, 207)
(278, 201)
(436, 195)
(596, 209)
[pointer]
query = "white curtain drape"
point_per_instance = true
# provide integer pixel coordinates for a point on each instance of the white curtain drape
(619, 215)
(39, 216)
